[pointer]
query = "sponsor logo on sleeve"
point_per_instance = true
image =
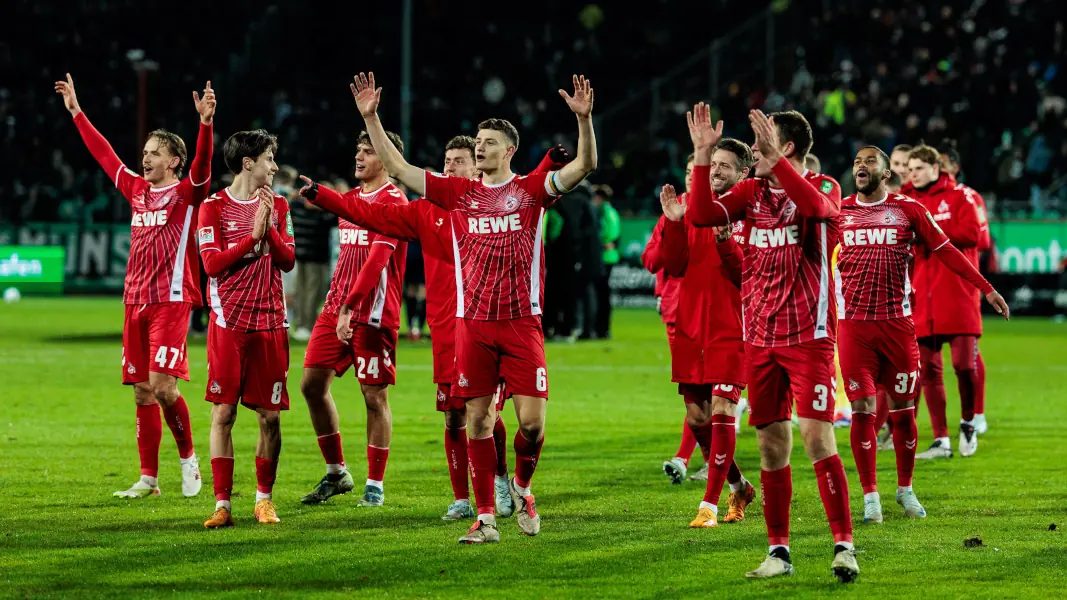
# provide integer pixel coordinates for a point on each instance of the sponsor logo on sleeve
(207, 235)
(289, 224)
(826, 186)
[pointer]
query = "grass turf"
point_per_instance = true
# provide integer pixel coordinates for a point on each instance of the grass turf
(613, 525)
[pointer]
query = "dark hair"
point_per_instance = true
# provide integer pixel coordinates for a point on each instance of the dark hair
(882, 156)
(603, 190)
(894, 180)
(504, 126)
(692, 156)
(927, 154)
(739, 149)
(175, 146)
(364, 138)
(902, 148)
(247, 144)
(461, 142)
(793, 127)
(948, 148)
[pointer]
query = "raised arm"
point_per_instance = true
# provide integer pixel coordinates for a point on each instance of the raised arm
(367, 97)
(97, 145)
(394, 220)
(581, 104)
(822, 203)
(706, 208)
(555, 159)
(200, 168)
(675, 233)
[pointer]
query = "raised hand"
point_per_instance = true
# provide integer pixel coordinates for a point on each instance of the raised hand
(310, 189)
(766, 136)
(701, 131)
(581, 103)
(263, 213)
(673, 207)
(70, 99)
(344, 325)
(206, 105)
(366, 95)
(998, 303)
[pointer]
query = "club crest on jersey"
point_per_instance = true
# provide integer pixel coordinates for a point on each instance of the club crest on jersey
(131, 369)
(853, 385)
(511, 203)
(463, 380)
(789, 210)
(889, 219)
(439, 222)
(215, 388)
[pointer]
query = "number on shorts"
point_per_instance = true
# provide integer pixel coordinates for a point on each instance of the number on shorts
(276, 395)
(367, 368)
(161, 357)
(821, 402)
(902, 386)
(542, 379)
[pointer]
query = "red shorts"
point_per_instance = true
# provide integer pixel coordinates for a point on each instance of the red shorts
(371, 350)
(776, 376)
(444, 357)
(691, 392)
(670, 333)
(446, 401)
(491, 352)
(247, 366)
(153, 339)
(877, 353)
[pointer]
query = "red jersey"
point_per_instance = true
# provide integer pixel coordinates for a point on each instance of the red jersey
(985, 241)
(246, 295)
(162, 266)
(947, 304)
(382, 307)
(667, 287)
(497, 242)
(790, 235)
(874, 265)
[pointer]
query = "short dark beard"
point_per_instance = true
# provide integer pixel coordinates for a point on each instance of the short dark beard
(872, 185)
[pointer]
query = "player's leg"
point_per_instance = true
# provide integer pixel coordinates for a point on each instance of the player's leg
(481, 452)
(980, 425)
(265, 390)
(505, 504)
(860, 367)
(905, 439)
(965, 363)
(932, 376)
(724, 469)
(374, 351)
(135, 362)
(811, 372)
(770, 409)
(456, 454)
(697, 399)
(325, 357)
(167, 332)
(882, 424)
(863, 438)
(529, 439)
(223, 417)
(268, 450)
(899, 377)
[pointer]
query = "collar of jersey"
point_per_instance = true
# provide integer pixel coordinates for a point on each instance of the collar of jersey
(501, 184)
(237, 200)
(164, 188)
(363, 194)
(858, 203)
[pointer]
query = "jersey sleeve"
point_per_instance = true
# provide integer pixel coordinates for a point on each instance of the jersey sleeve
(544, 186)
(195, 185)
(927, 231)
(676, 248)
(985, 240)
(209, 236)
(652, 257)
(731, 256)
(127, 182)
(815, 199)
(963, 229)
(370, 273)
(708, 209)
(445, 191)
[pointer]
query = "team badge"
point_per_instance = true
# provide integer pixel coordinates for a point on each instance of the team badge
(130, 369)
(511, 203)
(852, 385)
(462, 380)
(215, 388)
(441, 396)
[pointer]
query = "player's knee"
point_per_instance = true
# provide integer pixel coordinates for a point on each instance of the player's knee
(819, 441)
(931, 371)
(313, 390)
(270, 422)
(722, 406)
(376, 397)
(142, 394)
(224, 416)
(165, 393)
(865, 405)
(455, 419)
(532, 431)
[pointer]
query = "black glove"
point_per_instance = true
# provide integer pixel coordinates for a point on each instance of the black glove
(310, 191)
(559, 154)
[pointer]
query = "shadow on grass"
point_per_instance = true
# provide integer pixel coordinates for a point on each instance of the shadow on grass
(85, 338)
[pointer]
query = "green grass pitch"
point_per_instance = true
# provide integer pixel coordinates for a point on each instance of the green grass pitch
(613, 525)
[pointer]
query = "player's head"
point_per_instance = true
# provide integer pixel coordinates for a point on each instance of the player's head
(163, 157)
(689, 172)
(894, 183)
(870, 170)
(369, 166)
(459, 157)
(602, 193)
(496, 143)
(924, 166)
(812, 163)
(251, 154)
(898, 160)
(950, 157)
(730, 162)
(794, 138)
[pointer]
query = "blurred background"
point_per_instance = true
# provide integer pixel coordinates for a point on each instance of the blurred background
(984, 73)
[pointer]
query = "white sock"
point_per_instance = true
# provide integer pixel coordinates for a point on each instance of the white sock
(903, 489)
(740, 485)
(223, 504)
(523, 491)
(872, 496)
(262, 496)
(335, 469)
(847, 545)
(487, 518)
(186, 461)
(149, 481)
(962, 422)
(376, 484)
(944, 442)
(714, 509)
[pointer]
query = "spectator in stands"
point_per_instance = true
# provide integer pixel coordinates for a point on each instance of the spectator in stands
(610, 233)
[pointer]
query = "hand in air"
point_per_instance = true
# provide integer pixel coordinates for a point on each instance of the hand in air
(310, 189)
(701, 131)
(206, 105)
(581, 103)
(366, 95)
(70, 99)
(766, 137)
(998, 303)
(673, 207)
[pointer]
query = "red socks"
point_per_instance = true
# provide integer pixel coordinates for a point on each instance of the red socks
(776, 487)
(376, 459)
(482, 457)
(266, 472)
(689, 443)
(968, 386)
(904, 442)
(833, 489)
(456, 455)
(149, 434)
(979, 392)
(330, 445)
(526, 455)
(934, 389)
(222, 477)
(865, 450)
(723, 443)
(500, 438)
(178, 420)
